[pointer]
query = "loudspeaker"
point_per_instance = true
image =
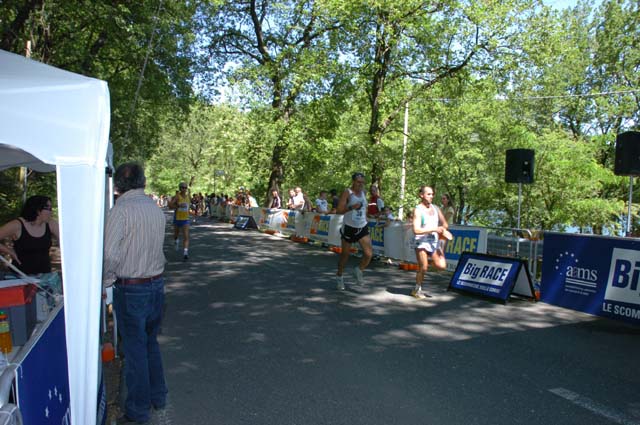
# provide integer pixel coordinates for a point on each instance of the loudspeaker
(245, 222)
(627, 154)
(519, 166)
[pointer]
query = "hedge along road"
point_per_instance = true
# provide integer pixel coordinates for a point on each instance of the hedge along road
(255, 333)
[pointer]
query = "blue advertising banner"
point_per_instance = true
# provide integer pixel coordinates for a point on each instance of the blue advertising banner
(463, 241)
(42, 379)
(323, 226)
(593, 274)
(492, 276)
(376, 232)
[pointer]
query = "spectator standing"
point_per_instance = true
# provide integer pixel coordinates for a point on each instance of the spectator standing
(448, 209)
(291, 202)
(133, 256)
(276, 202)
(387, 215)
(322, 206)
(334, 200)
(251, 201)
(308, 205)
(298, 199)
(376, 204)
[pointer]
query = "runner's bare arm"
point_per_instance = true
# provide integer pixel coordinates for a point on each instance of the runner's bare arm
(342, 203)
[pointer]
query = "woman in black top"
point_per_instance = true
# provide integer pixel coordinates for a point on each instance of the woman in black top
(31, 235)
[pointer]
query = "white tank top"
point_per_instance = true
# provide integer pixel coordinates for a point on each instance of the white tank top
(429, 221)
(356, 218)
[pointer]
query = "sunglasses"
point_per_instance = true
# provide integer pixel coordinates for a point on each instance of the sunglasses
(183, 187)
(47, 208)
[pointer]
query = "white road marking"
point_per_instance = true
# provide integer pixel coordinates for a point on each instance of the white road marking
(595, 407)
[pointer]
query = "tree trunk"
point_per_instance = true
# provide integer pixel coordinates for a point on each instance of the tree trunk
(461, 205)
(276, 178)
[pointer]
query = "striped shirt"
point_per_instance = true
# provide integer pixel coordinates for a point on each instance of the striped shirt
(134, 236)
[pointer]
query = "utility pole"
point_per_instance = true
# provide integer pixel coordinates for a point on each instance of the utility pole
(403, 176)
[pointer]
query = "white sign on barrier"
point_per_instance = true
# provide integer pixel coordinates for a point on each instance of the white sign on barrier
(393, 240)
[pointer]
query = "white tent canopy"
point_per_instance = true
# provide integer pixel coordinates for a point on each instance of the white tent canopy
(54, 118)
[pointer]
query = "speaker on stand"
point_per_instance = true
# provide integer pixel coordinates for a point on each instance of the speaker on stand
(627, 163)
(518, 168)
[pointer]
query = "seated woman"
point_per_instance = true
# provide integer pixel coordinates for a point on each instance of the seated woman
(31, 235)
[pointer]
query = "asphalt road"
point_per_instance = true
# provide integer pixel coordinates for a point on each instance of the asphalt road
(255, 333)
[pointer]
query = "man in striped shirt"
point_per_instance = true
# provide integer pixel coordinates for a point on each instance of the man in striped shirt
(133, 256)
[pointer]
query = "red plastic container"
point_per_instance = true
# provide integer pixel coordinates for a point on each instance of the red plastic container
(20, 304)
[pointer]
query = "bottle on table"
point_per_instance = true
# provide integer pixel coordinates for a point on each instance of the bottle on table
(5, 333)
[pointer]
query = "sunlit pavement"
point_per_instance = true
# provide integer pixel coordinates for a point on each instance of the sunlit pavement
(255, 333)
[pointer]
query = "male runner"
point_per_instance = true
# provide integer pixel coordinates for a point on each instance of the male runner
(180, 204)
(428, 225)
(353, 204)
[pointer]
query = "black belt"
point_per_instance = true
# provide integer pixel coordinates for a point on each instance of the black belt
(137, 280)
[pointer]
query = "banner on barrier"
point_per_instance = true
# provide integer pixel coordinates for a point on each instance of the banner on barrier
(464, 240)
(319, 230)
(289, 220)
(376, 232)
(274, 219)
(593, 274)
(492, 276)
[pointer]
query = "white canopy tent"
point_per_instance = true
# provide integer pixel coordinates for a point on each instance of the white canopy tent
(54, 118)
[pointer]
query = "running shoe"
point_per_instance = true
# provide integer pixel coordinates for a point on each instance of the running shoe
(339, 283)
(419, 294)
(357, 274)
(177, 241)
(186, 257)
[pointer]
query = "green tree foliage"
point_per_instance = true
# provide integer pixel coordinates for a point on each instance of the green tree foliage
(280, 49)
(114, 41)
(213, 139)
(402, 49)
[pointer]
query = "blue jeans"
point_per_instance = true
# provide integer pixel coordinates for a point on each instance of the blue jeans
(139, 313)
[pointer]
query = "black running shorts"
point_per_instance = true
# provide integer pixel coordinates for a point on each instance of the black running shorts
(353, 234)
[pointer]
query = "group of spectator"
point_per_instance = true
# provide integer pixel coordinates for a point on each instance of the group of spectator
(297, 199)
(327, 202)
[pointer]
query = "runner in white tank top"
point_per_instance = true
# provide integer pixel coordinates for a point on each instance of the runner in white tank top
(356, 217)
(428, 225)
(353, 204)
